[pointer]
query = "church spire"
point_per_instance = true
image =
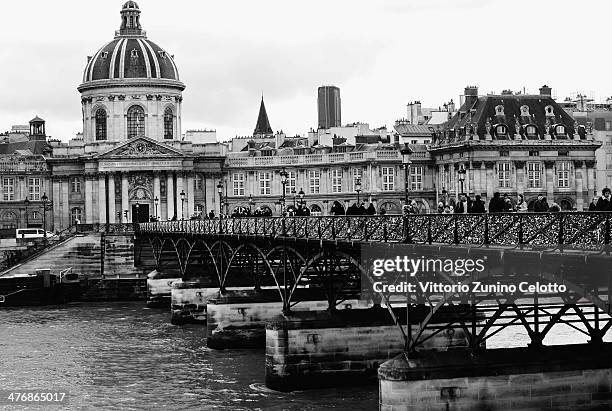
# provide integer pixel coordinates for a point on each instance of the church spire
(263, 124)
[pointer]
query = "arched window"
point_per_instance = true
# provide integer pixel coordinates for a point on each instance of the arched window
(9, 220)
(101, 124)
(75, 215)
(315, 210)
(135, 122)
(168, 124)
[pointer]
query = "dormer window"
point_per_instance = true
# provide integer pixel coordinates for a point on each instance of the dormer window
(134, 53)
(524, 111)
(549, 111)
(162, 54)
(531, 131)
(499, 110)
(501, 130)
(560, 130)
(104, 54)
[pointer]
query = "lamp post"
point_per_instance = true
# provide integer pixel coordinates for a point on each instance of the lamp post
(294, 193)
(44, 199)
(301, 194)
(406, 152)
(220, 191)
(358, 188)
(461, 173)
(445, 195)
(26, 203)
(283, 175)
(156, 202)
(137, 212)
(182, 204)
(251, 202)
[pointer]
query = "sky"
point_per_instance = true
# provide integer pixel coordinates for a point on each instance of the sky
(381, 53)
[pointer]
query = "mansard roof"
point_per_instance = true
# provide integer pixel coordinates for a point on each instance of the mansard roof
(479, 115)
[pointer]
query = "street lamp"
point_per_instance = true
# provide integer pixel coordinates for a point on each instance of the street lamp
(182, 204)
(44, 199)
(220, 191)
(406, 152)
(444, 195)
(293, 192)
(26, 203)
(301, 194)
(358, 188)
(283, 175)
(251, 202)
(156, 202)
(461, 173)
(137, 213)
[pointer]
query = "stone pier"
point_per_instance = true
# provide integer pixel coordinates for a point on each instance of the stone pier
(159, 288)
(567, 377)
(328, 349)
(188, 301)
(238, 319)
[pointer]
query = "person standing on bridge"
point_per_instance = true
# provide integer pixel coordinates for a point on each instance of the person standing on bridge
(497, 205)
(521, 204)
(540, 205)
(478, 206)
(464, 205)
(593, 204)
(605, 203)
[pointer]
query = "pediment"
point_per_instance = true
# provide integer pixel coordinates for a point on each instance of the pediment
(140, 147)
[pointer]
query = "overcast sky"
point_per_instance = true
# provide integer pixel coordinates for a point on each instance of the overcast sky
(382, 54)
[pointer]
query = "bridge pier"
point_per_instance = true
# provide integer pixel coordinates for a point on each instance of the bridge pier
(159, 289)
(568, 377)
(328, 349)
(238, 318)
(188, 301)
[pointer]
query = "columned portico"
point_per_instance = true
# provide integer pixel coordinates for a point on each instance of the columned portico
(170, 195)
(125, 197)
(89, 214)
(102, 198)
(111, 199)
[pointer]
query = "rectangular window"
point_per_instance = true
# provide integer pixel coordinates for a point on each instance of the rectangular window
(238, 184)
(534, 154)
(534, 175)
(388, 177)
(290, 186)
(357, 174)
(336, 180)
(75, 184)
(416, 178)
(34, 188)
(563, 174)
(503, 174)
(8, 188)
(265, 185)
(314, 181)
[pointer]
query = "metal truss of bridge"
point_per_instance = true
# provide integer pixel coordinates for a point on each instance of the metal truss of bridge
(324, 255)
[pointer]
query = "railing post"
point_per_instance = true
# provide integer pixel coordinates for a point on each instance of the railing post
(385, 230)
(607, 234)
(407, 238)
(429, 234)
(561, 238)
(319, 227)
(486, 231)
(456, 230)
(333, 227)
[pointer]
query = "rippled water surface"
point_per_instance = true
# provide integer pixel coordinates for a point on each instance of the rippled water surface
(125, 356)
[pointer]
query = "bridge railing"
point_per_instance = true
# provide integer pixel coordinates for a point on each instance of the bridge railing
(581, 229)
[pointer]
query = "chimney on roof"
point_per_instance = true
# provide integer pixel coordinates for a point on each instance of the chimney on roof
(545, 91)
(470, 95)
(415, 113)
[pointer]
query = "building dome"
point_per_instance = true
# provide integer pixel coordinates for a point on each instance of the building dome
(130, 55)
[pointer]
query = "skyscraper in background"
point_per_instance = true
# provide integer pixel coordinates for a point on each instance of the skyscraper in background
(329, 106)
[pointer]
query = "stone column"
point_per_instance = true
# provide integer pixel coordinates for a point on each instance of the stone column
(190, 191)
(490, 177)
(578, 164)
(156, 194)
(112, 213)
(550, 180)
(102, 198)
(125, 197)
(65, 189)
(57, 210)
(475, 177)
(170, 195)
(590, 174)
(520, 176)
(89, 212)
(181, 211)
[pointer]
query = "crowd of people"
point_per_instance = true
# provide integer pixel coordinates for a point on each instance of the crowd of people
(504, 204)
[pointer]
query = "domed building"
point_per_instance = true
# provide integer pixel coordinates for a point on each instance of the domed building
(131, 162)
(131, 87)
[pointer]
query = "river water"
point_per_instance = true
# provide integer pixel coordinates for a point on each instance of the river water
(124, 356)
